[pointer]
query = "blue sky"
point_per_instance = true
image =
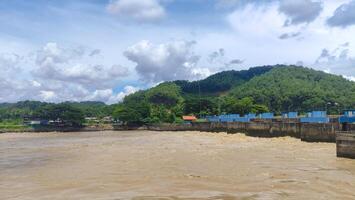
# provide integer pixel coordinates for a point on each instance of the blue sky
(105, 49)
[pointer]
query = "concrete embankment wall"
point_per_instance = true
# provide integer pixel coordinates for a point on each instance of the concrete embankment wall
(346, 144)
(319, 132)
(306, 132)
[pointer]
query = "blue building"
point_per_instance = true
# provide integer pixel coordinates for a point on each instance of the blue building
(315, 117)
(246, 118)
(290, 115)
(250, 116)
(266, 116)
(348, 117)
(228, 118)
(231, 118)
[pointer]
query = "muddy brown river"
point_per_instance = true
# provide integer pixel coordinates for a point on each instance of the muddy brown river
(169, 165)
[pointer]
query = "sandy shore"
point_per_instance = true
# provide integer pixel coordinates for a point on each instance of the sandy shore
(169, 165)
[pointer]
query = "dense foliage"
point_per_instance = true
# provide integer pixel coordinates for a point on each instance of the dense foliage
(222, 81)
(134, 109)
(162, 103)
(299, 89)
(167, 103)
(65, 113)
(73, 112)
(257, 90)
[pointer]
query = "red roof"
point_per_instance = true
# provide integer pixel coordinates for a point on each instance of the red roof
(189, 118)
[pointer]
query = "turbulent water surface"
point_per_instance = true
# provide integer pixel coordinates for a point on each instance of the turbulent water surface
(169, 165)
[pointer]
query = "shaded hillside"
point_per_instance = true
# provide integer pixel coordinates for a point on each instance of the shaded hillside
(299, 89)
(222, 81)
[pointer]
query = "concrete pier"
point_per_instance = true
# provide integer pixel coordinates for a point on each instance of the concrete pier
(318, 132)
(346, 144)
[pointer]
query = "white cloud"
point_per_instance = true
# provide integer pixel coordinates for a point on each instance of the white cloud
(58, 74)
(9, 62)
(261, 38)
(126, 91)
(337, 61)
(51, 54)
(66, 65)
(352, 78)
(139, 10)
(262, 21)
(165, 62)
(108, 96)
(47, 95)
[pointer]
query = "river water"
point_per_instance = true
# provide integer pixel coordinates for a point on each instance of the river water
(169, 165)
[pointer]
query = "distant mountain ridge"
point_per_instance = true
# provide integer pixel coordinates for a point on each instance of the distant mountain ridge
(279, 87)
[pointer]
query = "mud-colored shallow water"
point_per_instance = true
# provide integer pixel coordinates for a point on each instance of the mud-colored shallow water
(169, 165)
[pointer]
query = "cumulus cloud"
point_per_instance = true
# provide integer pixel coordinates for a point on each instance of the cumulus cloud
(52, 53)
(300, 11)
(343, 16)
(165, 62)
(139, 10)
(60, 74)
(257, 21)
(337, 61)
(61, 64)
(108, 95)
(12, 89)
(9, 61)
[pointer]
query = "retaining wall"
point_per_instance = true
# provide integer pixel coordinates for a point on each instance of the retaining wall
(314, 132)
(345, 144)
(306, 132)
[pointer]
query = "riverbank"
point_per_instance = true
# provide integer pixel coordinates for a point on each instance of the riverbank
(146, 165)
(309, 132)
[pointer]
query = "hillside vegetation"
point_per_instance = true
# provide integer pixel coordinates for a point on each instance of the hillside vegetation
(260, 89)
(299, 89)
(75, 112)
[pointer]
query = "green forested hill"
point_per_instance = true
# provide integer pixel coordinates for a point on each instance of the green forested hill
(222, 81)
(298, 89)
(269, 88)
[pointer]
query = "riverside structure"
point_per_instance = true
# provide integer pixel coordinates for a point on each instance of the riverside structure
(338, 130)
